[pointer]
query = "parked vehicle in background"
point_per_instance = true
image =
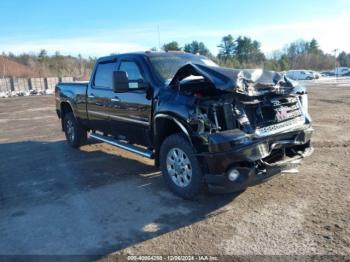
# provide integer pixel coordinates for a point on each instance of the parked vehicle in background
(342, 71)
(315, 74)
(300, 75)
(327, 73)
(203, 124)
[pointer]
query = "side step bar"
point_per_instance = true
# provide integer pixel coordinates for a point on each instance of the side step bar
(128, 147)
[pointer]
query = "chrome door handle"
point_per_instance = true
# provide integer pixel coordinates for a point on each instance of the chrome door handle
(116, 99)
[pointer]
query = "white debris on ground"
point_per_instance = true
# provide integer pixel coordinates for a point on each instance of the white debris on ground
(27, 93)
(13, 87)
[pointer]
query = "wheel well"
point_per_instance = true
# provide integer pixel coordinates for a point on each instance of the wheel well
(164, 127)
(65, 108)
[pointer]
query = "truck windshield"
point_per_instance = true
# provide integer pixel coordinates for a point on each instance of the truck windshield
(167, 66)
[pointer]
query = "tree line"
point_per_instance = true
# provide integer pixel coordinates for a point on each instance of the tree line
(56, 65)
(234, 52)
(244, 52)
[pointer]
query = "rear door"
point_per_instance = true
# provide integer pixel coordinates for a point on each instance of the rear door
(131, 111)
(99, 96)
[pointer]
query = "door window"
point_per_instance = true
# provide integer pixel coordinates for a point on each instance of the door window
(104, 74)
(133, 72)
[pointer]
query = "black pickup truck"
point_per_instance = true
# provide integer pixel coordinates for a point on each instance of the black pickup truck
(204, 125)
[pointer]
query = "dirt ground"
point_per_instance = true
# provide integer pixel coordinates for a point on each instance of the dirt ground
(100, 200)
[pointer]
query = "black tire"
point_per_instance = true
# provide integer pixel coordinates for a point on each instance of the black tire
(191, 187)
(76, 135)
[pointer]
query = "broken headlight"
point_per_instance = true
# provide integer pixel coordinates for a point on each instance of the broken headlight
(304, 101)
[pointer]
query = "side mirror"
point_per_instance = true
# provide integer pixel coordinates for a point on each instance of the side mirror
(120, 82)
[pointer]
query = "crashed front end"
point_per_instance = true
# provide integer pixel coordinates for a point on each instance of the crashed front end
(249, 125)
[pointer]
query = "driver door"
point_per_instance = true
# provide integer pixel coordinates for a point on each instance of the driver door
(131, 111)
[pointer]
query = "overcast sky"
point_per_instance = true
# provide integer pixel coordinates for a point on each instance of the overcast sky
(96, 28)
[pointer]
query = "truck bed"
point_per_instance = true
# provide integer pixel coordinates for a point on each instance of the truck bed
(75, 94)
(78, 88)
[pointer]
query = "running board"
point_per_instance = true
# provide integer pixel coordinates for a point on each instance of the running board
(128, 147)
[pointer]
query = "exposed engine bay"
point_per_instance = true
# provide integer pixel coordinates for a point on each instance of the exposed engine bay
(260, 116)
(256, 119)
(255, 101)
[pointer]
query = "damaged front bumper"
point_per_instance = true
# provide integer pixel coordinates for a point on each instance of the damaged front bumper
(256, 160)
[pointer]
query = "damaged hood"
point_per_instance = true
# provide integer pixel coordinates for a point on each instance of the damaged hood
(250, 82)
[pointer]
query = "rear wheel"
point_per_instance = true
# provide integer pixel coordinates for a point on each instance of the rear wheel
(180, 167)
(76, 135)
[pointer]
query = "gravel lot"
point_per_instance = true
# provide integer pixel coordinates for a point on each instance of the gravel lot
(100, 200)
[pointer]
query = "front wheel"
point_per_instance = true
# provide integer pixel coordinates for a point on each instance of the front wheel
(76, 135)
(180, 167)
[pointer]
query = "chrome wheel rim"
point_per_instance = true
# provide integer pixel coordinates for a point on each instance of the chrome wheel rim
(70, 130)
(179, 167)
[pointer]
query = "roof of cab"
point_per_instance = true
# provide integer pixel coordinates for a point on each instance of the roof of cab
(146, 53)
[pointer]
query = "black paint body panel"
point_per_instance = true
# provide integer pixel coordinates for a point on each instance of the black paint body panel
(133, 116)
